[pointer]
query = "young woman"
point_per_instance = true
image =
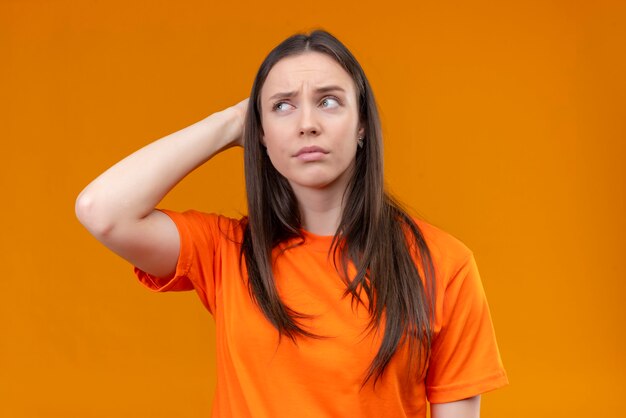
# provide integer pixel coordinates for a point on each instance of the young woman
(329, 299)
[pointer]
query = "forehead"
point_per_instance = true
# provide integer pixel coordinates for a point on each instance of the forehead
(308, 70)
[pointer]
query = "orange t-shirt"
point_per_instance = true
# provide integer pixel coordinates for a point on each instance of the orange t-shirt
(258, 377)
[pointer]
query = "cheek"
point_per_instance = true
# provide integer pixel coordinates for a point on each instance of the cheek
(276, 152)
(274, 138)
(267, 129)
(271, 133)
(347, 139)
(273, 143)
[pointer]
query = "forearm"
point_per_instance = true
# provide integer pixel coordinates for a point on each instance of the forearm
(130, 189)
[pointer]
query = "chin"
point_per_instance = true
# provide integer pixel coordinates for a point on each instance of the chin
(314, 181)
(316, 177)
(311, 184)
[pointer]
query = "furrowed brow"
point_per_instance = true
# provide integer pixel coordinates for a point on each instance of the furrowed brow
(325, 89)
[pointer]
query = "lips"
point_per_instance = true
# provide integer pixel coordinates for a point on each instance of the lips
(310, 150)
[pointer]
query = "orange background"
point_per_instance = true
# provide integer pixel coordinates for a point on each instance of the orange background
(504, 124)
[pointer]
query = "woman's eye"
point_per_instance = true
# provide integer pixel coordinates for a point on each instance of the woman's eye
(327, 102)
(278, 106)
(331, 100)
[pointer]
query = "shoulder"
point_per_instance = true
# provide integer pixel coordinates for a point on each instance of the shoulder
(442, 241)
(449, 254)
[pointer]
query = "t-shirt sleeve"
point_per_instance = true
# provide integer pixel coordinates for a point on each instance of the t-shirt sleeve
(197, 266)
(465, 360)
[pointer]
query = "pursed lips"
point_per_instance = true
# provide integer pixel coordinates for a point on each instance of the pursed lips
(309, 150)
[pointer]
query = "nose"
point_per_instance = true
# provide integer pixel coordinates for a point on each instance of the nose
(309, 125)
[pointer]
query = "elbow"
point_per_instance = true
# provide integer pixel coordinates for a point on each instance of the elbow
(89, 214)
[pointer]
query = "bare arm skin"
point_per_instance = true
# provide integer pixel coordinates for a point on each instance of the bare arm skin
(118, 207)
(466, 408)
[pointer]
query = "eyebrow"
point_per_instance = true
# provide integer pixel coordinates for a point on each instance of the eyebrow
(324, 89)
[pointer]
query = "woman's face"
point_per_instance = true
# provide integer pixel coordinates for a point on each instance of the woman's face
(310, 121)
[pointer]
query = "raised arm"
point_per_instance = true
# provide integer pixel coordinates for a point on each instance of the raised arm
(466, 408)
(118, 207)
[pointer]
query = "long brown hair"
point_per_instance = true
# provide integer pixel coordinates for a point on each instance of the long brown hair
(375, 233)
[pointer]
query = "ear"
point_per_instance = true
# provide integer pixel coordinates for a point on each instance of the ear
(361, 131)
(262, 136)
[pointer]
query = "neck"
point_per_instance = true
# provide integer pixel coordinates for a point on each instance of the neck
(320, 209)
